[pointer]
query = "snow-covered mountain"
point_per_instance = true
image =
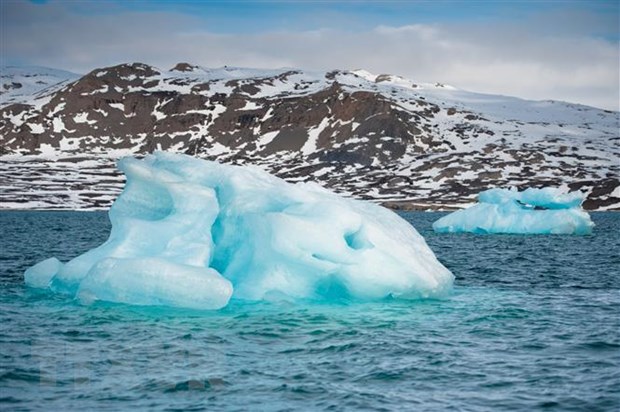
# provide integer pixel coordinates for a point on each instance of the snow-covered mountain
(379, 137)
(26, 84)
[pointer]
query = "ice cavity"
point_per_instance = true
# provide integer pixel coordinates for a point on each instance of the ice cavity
(193, 233)
(532, 211)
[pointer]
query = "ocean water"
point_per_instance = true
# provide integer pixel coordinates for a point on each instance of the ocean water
(533, 323)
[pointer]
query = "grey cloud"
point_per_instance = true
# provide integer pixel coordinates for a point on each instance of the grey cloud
(519, 60)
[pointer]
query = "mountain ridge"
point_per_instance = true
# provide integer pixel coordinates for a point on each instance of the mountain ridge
(379, 137)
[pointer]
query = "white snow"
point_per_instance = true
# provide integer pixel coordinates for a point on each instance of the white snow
(36, 128)
(59, 126)
(160, 115)
(35, 82)
(103, 89)
(57, 109)
(267, 115)
(47, 150)
(250, 105)
(365, 75)
(218, 149)
(313, 136)
(266, 138)
(83, 118)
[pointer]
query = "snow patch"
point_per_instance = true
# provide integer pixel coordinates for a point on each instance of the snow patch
(313, 136)
(82, 117)
(36, 128)
(250, 105)
(266, 138)
(59, 126)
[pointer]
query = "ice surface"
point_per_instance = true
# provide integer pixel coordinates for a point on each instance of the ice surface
(41, 274)
(532, 211)
(192, 233)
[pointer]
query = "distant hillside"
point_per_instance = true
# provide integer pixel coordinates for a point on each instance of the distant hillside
(384, 138)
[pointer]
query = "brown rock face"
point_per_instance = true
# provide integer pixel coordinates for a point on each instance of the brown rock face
(183, 67)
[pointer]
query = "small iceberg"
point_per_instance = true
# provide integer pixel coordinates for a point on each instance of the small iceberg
(193, 233)
(532, 211)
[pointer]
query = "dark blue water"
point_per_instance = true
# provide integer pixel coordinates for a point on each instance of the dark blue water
(533, 323)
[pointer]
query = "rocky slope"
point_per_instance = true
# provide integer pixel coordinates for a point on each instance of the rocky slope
(382, 137)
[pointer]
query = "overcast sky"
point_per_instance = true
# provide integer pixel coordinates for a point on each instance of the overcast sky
(553, 49)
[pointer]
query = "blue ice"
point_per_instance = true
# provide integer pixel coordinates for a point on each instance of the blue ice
(193, 233)
(532, 211)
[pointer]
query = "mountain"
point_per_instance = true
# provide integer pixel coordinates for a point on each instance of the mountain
(378, 137)
(26, 84)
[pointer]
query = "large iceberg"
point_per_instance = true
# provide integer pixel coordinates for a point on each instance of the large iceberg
(194, 233)
(532, 211)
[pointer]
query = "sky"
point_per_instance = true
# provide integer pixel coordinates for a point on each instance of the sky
(536, 49)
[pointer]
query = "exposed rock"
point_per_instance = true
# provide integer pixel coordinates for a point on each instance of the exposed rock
(183, 67)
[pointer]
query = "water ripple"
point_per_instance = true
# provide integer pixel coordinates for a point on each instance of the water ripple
(533, 323)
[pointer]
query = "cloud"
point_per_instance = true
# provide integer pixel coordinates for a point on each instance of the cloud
(531, 60)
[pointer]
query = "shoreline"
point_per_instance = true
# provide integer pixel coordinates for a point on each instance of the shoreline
(403, 206)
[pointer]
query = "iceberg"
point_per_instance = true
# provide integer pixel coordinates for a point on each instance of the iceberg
(193, 233)
(532, 211)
